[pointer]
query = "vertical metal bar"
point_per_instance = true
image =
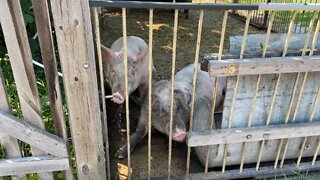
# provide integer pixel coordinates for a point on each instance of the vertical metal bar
(309, 33)
(268, 119)
(314, 105)
(175, 30)
(257, 86)
(289, 34)
(104, 115)
(150, 89)
(223, 31)
(315, 37)
(294, 116)
(235, 87)
(125, 58)
(244, 39)
(301, 90)
(244, 149)
(194, 82)
(266, 43)
(295, 85)
(287, 118)
(316, 153)
(310, 120)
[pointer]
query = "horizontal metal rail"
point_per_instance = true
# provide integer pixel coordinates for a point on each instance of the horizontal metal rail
(203, 6)
(265, 172)
(249, 134)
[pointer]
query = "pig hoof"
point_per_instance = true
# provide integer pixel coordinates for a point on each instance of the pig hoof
(122, 152)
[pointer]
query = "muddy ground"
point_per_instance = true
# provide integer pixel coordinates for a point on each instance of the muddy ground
(138, 25)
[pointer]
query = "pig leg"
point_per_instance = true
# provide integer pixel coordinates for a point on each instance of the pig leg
(137, 136)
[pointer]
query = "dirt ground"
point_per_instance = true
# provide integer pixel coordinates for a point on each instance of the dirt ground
(138, 25)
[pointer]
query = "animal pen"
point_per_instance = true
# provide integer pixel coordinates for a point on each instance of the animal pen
(270, 116)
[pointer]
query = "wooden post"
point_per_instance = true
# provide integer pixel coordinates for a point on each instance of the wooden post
(41, 13)
(75, 43)
(16, 38)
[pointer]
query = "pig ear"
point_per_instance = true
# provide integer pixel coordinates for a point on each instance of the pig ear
(107, 54)
(182, 101)
(140, 56)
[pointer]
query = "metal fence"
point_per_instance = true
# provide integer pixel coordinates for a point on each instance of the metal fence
(281, 19)
(235, 148)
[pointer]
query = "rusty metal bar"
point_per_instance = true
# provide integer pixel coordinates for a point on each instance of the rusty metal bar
(175, 30)
(194, 82)
(150, 89)
(125, 58)
(223, 31)
(104, 115)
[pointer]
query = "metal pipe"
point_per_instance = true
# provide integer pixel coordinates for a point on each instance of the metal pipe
(104, 115)
(223, 31)
(194, 83)
(175, 30)
(150, 90)
(125, 58)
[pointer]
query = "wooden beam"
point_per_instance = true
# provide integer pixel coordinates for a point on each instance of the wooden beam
(76, 51)
(249, 134)
(41, 13)
(254, 66)
(17, 43)
(35, 164)
(33, 135)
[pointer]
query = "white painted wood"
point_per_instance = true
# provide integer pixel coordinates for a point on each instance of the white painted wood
(254, 66)
(75, 43)
(33, 135)
(249, 134)
(35, 164)
(16, 38)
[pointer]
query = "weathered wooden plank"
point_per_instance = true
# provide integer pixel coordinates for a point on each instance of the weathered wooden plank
(256, 66)
(214, 56)
(33, 135)
(75, 43)
(16, 38)
(41, 13)
(249, 134)
(10, 145)
(35, 164)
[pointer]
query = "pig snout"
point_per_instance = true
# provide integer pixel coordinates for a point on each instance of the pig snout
(118, 98)
(179, 135)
